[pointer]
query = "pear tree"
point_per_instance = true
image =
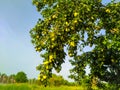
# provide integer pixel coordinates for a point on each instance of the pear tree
(71, 25)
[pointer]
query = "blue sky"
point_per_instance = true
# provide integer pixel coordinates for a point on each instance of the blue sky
(17, 17)
(17, 53)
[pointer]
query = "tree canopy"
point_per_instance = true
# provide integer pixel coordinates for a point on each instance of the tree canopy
(21, 77)
(75, 24)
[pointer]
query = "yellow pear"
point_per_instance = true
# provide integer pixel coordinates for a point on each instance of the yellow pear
(66, 29)
(67, 23)
(107, 10)
(72, 44)
(54, 16)
(39, 77)
(70, 54)
(53, 39)
(37, 3)
(75, 21)
(44, 77)
(37, 36)
(51, 57)
(47, 67)
(75, 14)
(46, 62)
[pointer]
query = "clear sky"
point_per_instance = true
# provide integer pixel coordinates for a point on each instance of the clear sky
(17, 17)
(17, 53)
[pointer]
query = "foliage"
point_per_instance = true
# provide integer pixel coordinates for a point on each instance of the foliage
(21, 77)
(104, 63)
(75, 24)
(57, 80)
(103, 60)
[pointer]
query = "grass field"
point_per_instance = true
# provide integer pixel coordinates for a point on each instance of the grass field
(36, 87)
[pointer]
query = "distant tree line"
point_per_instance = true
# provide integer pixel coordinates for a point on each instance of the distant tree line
(20, 77)
(57, 80)
(7, 79)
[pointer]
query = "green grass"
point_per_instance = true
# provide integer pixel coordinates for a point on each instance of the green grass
(36, 87)
(15, 87)
(62, 88)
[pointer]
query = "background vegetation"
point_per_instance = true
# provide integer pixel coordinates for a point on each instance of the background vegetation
(54, 83)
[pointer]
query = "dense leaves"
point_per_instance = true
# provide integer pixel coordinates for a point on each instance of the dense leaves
(104, 59)
(21, 77)
(75, 24)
